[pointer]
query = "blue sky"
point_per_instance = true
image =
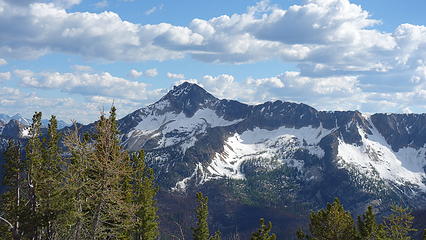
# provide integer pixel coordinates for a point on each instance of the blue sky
(72, 58)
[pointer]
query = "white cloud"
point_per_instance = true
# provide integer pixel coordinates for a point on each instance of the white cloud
(135, 73)
(5, 76)
(175, 75)
(333, 33)
(3, 61)
(148, 73)
(36, 29)
(272, 81)
(103, 84)
(151, 72)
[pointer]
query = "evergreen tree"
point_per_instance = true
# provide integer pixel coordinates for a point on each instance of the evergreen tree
(399, 224)
(264, 232)
(201, 231)
(110, 209)
(77, 187)
(331, 223)
(144, 191)
(33, 163)
(50, 183)
(424, 234)
(368, 228)
(12, 200)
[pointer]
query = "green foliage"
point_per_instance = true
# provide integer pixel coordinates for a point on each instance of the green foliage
(368, 228)
(264, 232)
(144, 192)
(331, 223)
(201, 231)
(12, 201)
(399, 224)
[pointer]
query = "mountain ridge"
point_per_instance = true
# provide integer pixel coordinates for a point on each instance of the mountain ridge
(192, 126)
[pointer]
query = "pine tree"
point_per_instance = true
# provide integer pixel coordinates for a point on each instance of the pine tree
(424, 234)
(368, 228)
(264, 232)
(144, 191)
(50, 182)
(331, 223)
(33, 164)
(399, 224)
(201, 231)
(77, 187)
(12, 199)
(111, 212)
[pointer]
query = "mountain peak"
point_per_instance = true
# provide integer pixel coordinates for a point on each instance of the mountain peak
(189, 97)
(187, 89)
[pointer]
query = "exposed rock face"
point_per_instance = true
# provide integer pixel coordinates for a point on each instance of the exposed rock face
(293, 151)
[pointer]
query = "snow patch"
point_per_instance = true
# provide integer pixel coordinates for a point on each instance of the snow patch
(260, 144)
(177, 128)
(406, 166)
(25, 132)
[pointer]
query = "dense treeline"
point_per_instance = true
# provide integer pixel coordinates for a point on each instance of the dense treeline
(97, 190)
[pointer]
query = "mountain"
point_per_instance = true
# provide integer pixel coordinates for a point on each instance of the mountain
(193, 138)
(280, 154)
(277, 160)
(27, 122)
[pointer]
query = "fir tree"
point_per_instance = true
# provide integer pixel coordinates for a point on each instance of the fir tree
(331, 223)
(144, 192)
(264, 232)
(368, 228)
(34, 164)
(201, 231)
(12, 199)
(50, 183)
(111, 212)
(399, 224)
(77, 187)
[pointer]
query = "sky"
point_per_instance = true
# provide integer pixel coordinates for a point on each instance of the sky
(73, 58)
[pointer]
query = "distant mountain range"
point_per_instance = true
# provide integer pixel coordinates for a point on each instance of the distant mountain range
(250, 159)
(26, 122)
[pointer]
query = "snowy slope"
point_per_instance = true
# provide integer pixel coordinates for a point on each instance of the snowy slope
(279, 144)
(376, 157)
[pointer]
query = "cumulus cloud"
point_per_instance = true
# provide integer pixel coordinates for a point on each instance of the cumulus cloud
(175, 75)
(333, 33)
(3, 61)
(35, 29)
(103, 84)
